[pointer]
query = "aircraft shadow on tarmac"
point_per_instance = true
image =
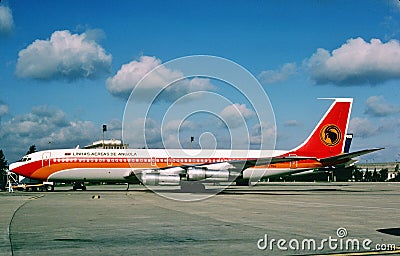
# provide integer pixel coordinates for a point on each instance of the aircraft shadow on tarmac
(219, 191)
(244, 191)
(390, 231)
(233, 190)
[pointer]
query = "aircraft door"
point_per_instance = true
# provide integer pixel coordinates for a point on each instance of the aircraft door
(153, 161)
(293, 164)
(46, 159)
(169, 161)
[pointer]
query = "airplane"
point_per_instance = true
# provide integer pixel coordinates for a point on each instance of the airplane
(191, 168)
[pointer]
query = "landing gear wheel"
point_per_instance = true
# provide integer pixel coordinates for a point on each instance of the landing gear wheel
(49, 188)
(78, 185)
(242, 182)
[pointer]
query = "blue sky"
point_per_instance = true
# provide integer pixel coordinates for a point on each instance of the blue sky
(59, 60)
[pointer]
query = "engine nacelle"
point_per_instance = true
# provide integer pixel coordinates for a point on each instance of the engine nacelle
(198, 174)
(153, 179)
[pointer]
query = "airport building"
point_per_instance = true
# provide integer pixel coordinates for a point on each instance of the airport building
(107, 144)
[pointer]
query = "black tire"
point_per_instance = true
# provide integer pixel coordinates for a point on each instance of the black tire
(49, 188)
(242, 182)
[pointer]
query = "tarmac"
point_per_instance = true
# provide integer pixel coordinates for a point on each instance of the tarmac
(267, 219)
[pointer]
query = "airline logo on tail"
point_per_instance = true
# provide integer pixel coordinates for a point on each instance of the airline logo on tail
(327, 139)
(330, 135)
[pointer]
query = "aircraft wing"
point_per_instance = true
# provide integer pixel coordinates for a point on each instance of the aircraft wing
(244, 164)
(346, 157)
(240, 165)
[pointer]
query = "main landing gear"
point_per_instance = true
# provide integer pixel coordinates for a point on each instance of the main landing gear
(78, 185)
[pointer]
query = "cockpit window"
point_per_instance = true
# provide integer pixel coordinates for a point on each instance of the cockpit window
(25, 159)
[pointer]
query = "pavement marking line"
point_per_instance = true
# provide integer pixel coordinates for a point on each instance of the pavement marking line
(36, 197)
(12, 219)
(396, 251)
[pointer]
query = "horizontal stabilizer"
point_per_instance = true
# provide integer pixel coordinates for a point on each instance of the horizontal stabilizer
(333, 160)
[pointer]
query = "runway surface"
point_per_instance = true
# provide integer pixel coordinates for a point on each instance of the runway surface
(107, 220)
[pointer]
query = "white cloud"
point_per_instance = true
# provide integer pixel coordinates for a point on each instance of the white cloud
(263, 133)
(150, 133)
(64, 56)
(142, 132)
(276, 76)
(95, 34)
(75, 133)
(6, 20)
(391, 26)
(173, 131)
(3, 109)
(236, 114)
(37, 124)
(128, 77)
(362, 127)
(114, 124)
(395, 4)
(377, 106)
(292, 123)
(178, 125)
(356, 62)
(46, 124)
(130, 74)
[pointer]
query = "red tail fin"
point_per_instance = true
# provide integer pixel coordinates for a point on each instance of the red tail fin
(328, 137)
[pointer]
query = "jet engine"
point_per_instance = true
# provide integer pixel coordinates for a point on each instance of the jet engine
(153, 179)
(192, 174)
(199, 174)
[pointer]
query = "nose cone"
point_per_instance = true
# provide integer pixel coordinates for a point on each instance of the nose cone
(20, 168)
(13, 166)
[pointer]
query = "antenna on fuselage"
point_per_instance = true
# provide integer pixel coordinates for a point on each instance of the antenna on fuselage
(104, 130)
(191, 141)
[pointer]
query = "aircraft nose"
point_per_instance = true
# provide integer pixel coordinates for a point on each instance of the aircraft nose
(14, 167)
(11, 166)
(22, 168)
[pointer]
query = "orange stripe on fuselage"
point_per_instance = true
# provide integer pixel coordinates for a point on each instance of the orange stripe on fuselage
(308, 164)
(44, 172)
